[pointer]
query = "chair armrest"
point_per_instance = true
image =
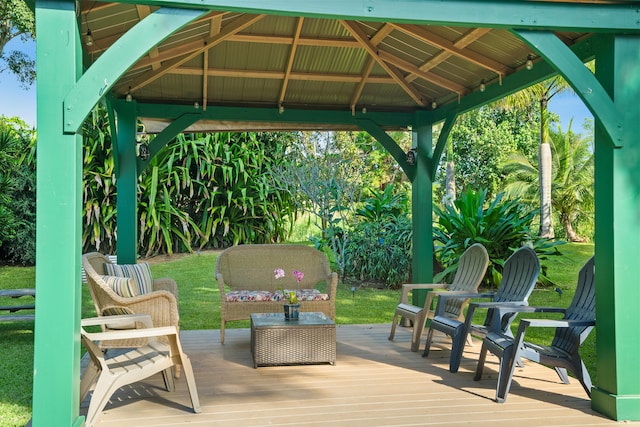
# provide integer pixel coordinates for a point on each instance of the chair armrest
(552, 323)
(549, 323)
(332, 285)
(127, 334)
(444, 296)
(500, 309)
(220, 280)
(404, 296)
(119, 319)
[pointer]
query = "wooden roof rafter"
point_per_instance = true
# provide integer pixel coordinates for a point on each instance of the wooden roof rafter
(364, 41)
(237, 25)
(279, 75)
(214, 29)
(383, 32)
(292, 54)
(452, 49)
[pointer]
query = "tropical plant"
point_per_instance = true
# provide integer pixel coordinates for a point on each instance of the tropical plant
(199, 191)
(379, 246)
(98, 184)
(541, 95)
(571, 175)
(211, 190)
(17, 191)
(501, 225)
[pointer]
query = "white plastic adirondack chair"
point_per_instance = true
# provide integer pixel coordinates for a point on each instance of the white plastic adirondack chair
(519, 277)
(562, 354)
(471, 269)
(109, 374)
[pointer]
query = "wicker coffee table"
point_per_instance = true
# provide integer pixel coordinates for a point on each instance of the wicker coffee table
(309, 340)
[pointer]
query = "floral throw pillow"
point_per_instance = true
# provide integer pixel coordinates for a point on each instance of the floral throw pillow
(140, 273)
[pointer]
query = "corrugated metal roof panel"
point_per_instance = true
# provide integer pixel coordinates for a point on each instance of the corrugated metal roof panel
(248, 67)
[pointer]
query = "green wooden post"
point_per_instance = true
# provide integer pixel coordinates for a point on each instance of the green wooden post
(617, 391)
(58, 233)
(127, 181)
(422, 208)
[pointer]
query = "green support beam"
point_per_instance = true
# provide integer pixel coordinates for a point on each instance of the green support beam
(339, 119)
(124, 150)
(617, 189)
(467, 13)
(580, 78)
(442, 142)
(163, 138)
(422, 207)
(390, 145)
(56, 368)
(114, 62)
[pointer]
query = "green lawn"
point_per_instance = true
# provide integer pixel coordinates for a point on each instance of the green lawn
(199, 309)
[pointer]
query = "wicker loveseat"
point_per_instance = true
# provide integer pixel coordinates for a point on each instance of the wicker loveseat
(245, 275)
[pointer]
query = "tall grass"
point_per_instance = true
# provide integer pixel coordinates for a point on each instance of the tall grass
(199, 309)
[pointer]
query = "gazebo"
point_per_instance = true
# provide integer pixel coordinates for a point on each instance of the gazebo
(372, 65)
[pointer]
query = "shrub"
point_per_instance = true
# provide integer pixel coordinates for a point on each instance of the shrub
(379, 246)
(502, 227)
(17, 192)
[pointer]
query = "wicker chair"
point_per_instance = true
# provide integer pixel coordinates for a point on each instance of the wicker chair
(161, 304)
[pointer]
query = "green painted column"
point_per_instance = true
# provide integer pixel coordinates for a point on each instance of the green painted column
(422, 208)
(59, 215)
(126, 181)
(617, 173)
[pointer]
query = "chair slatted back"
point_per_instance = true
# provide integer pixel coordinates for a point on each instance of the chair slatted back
(582, 307)
(519, 277)
(470, 272)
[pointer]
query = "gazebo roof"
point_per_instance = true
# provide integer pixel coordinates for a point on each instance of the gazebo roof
(282, 62)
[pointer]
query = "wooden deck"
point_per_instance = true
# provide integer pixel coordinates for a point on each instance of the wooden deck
(375, 382)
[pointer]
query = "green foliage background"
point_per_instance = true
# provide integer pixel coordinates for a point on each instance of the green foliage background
(17, 192)
(200, 191)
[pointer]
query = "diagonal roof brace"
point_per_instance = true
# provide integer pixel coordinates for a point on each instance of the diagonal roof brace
(126, 51)
(581, 79)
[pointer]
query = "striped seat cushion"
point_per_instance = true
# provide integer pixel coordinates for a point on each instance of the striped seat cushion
(123, 286)
(140, 273)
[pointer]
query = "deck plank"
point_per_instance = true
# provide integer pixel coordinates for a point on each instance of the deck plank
(375, 382)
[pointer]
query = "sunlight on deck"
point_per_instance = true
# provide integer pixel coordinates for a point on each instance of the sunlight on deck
(375, 382)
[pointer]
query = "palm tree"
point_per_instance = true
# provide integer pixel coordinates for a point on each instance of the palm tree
(541, 93)
(571, 176)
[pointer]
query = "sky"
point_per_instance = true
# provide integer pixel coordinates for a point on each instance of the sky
(15, 101)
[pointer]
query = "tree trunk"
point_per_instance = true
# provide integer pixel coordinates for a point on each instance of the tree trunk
(572, 236)
(544, 172)
(450, 184)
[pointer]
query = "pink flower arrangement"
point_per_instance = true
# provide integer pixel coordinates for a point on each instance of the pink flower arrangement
(291, 296)
(298, 275)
